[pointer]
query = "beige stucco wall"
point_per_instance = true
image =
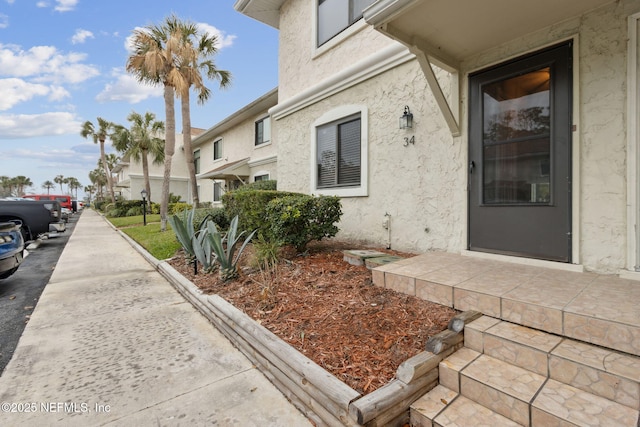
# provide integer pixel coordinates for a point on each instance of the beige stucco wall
(238, 142)
(418, 185)
(301, 64)
(423, 186)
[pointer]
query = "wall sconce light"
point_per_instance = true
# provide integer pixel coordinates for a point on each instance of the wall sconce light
(406, 120)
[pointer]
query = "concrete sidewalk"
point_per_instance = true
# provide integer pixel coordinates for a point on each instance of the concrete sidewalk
(112, 343)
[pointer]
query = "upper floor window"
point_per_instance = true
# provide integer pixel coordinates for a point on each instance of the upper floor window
(217, 149)
(263, 131)
(337, 15)
(196, 160)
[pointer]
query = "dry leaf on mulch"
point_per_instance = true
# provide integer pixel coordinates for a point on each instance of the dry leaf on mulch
(330, 311)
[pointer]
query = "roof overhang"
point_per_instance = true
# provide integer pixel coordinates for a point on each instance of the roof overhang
(266, 11)
(451, 31)
(238, 169)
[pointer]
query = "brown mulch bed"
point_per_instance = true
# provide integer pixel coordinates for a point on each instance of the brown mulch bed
(330, 311)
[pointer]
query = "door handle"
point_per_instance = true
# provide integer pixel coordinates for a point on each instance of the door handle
(472, 165)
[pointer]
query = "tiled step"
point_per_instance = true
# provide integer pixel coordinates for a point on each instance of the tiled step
(442, 407)
(531, 378)
(504, 388)
(560, 404)
(603, 372)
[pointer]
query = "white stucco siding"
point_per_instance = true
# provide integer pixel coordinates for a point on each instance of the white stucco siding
(603, 43)
(421, 185)
(301, 64)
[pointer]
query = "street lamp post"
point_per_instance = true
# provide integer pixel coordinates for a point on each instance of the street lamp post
(143, 193)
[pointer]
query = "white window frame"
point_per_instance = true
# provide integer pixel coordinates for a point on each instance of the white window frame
(196, 160)
(338, 38)
(214, 150)
(331, 116)
(266, 132)
(261, 174)
(220, 185)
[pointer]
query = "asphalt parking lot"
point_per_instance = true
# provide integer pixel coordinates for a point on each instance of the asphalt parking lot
(19, 293)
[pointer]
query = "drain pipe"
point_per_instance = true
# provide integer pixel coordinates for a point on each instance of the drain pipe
(386, 224)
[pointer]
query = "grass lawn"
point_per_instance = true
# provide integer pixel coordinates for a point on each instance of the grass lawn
(160, 245)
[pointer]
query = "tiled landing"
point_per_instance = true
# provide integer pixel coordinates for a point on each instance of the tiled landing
(508, 374)
(599, 309)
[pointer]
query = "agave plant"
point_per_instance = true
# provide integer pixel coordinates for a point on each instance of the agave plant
(202, 247)
(185, 232)
(224, 248)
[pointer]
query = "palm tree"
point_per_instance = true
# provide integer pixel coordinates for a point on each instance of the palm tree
(155, 49)
(141, 141)
(48, 185)
(98, 179)
(5, 186)
(89, 189)
(59, 179)
(197, 46)
(73, 184)
(99, 136)
(20, 183)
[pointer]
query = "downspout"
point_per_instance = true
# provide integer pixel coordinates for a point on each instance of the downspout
(386, 223)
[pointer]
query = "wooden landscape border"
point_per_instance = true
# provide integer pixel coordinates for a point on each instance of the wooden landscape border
(317, 393)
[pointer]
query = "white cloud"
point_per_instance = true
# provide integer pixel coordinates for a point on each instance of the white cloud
(42, 4)
(224, 39)
(38, 125)
(81, 36)
(15, 91)
(127, 88)
(45, 64)
(4, 20)
(65, 5)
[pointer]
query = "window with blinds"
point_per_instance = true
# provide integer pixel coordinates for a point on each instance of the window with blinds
(217, 191)
(336, 15)
(338, 153)
(196, 160)
(217, 149)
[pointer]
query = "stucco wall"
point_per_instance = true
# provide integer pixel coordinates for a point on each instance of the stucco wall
(418, 185)
(301, 64)
(238, 142)
(423, 186)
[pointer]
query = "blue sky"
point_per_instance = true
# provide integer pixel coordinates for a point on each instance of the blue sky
(62, 62)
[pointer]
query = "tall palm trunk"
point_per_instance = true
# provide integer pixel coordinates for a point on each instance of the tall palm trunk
(169, 149)
(145, 173)
(188, 151)
(107, 172)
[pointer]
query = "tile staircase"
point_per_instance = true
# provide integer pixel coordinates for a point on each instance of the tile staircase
(509, 375)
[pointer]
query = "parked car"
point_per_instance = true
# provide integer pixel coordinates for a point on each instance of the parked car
(65, 201)
(37, 217)
(11, 248)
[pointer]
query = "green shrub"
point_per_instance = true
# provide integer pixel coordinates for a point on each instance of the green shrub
(218, 215)
(299, 219)
(270, 185)
(250, 207)
(175, 208)
(266, 252)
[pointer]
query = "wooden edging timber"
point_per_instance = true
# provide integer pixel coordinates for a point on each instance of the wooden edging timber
(317, 393)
